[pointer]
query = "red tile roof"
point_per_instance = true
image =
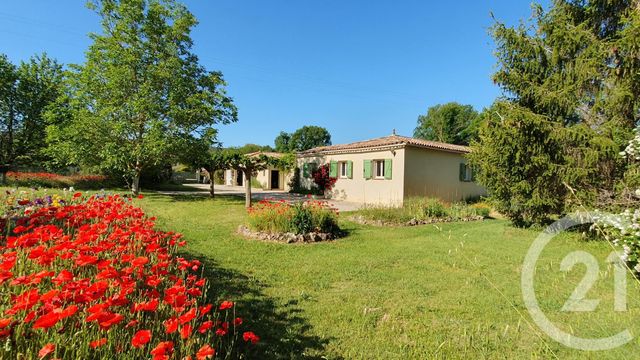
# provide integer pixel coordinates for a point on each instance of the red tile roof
(386, 141)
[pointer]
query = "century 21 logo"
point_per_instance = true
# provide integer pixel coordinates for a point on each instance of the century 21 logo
(577, 300)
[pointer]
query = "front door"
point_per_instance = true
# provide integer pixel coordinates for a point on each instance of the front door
(275, 179)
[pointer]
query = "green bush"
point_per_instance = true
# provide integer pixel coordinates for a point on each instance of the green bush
(298, 218)
(419, 208)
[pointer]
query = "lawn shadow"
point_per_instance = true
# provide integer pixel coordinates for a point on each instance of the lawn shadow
(191, 197)
(284, 331)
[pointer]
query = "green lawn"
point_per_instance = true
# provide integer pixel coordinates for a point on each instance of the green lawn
(446, 291)
(435, 291)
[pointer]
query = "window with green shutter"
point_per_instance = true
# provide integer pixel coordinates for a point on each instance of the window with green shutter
(466, 173)
(333, 169)
(367, 169)
(350, 169)
(305, 170)
(387, 169)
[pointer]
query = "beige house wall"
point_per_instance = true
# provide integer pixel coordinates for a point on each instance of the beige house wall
(264, 178)
(437, 174)
(359, 189)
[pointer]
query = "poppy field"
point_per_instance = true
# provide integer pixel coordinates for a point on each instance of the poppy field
(89, 277)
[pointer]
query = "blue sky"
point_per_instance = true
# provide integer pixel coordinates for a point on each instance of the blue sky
(358, 68)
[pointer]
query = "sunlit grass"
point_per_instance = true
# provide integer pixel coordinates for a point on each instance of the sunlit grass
(446, 291)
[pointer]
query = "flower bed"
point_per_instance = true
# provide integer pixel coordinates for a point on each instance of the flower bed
(43, 179)
(420, 211)
(88, 278)
(287, 222)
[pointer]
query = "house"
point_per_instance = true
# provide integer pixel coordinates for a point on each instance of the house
(389, 169)
(268, 179)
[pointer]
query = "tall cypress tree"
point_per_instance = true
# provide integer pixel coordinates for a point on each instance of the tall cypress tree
(571, 85)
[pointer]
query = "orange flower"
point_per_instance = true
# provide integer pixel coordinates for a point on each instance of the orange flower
(205, 352)
(46, 350)
(97, 343)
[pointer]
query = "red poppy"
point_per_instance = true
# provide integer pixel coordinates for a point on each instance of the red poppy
(97, 343)
(185, 331)
(226, 305)
(163, 348)
(188, 316)
(237, 321)
(140, 338)
(205, 326)
(5, 322)
(47, 320)
(46, 350)
(140, 196)
(205, 352)
(170, 325)
(249, 336)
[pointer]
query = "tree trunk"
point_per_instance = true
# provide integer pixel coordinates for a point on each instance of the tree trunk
(211, 185)
(247, 189)
(135, 184)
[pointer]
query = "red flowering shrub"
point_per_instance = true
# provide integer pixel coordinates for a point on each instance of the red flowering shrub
(43, 179)
(92, 278)
(322, 179)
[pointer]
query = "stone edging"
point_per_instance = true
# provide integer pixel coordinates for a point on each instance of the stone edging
(287, 238)
(413, 222)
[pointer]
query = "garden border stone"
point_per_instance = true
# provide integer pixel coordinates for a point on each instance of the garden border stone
(288, 238)
(413, 222)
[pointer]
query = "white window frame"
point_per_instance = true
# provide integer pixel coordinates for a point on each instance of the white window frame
(378, 165)
(342, 170)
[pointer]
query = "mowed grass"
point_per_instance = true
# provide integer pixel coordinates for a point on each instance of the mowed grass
(435, 291)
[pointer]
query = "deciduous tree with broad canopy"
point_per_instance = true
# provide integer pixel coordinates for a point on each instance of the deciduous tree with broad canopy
(26, 92)
(305, 138)
(450, 123)
(140, 93)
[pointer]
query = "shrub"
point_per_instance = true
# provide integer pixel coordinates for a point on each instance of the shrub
(322, 179)
(90, 278)
(420, 209)
(50, 180)
(298, 218)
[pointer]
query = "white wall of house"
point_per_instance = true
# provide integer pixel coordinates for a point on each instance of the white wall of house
(264, 177)
(377, 189)
(437, 174)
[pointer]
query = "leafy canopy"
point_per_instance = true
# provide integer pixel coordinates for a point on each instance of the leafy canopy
(26, 92)
(141, 96)
(450, 123)
(305, 138)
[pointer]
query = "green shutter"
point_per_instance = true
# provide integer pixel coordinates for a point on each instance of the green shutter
(350, 169)
(367, 169)
(462, 171)
(473, 173)
(305, 170)
(333, 169)
(387, 169)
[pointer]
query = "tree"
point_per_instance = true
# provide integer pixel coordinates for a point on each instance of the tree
(572, 96)
(450, 123)
(282, 142)
(249, 165)
(140, 93)
(305, 138)
(250, 148)
(26, 92)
